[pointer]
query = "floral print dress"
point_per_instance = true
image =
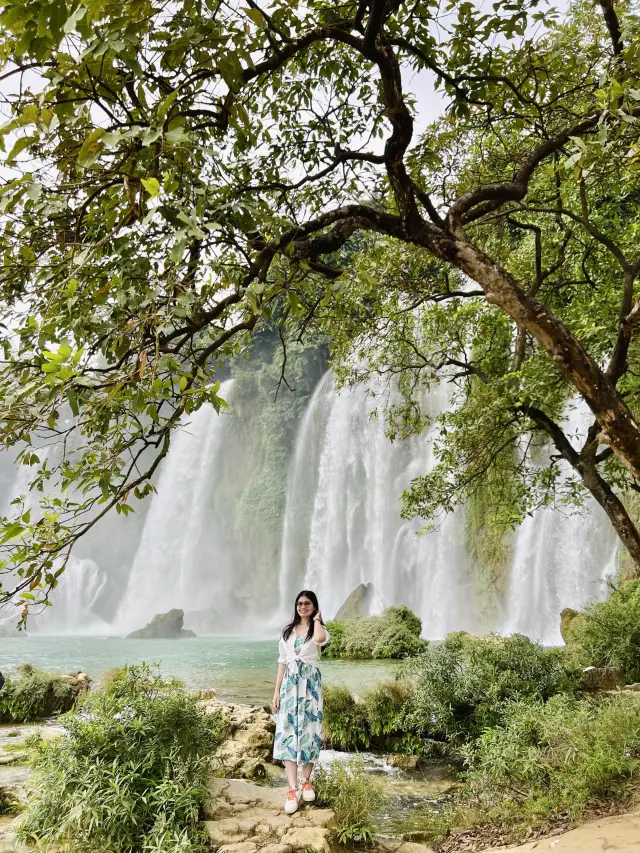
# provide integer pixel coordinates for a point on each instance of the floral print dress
(299, 720)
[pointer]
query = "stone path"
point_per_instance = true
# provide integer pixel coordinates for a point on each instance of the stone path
(246, 818)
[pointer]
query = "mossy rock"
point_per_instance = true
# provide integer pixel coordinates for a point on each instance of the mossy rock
(570, 622)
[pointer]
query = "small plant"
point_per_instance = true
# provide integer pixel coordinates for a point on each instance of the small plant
(130, 773)
(32, 694)
(355, 797)
(608, 633)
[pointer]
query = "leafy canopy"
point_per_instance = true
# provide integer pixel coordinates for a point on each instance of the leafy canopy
(177, 176)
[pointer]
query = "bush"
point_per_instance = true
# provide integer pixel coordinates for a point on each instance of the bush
(547, 762)
(344, 721)
(130, 773)
(608, 633)
(463, 685)
(378, 721)
(395, 634)
(355, 797)
(335, 646)
(33, 694)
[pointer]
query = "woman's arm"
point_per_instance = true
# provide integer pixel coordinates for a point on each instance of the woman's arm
(276, 692)
(319, 632)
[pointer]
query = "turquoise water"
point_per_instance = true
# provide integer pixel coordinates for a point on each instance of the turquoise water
(238, 668)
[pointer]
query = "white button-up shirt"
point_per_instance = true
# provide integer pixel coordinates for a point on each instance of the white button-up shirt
(307, 652)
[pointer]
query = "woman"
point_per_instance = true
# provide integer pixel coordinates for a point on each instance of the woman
(298, 697)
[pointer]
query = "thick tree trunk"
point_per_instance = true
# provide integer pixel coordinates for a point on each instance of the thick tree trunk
(615, 510)
(619, 428)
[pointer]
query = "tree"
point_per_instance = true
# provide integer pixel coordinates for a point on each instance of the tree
(181, 170)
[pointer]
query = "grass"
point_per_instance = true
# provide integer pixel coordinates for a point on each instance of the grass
(355, 797)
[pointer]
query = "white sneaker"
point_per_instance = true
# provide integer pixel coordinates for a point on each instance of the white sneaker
(292, 801)
(308, 792)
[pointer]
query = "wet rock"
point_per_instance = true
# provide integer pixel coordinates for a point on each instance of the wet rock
(404, 762)
(596, 678)
(358, 603)
(163, 626)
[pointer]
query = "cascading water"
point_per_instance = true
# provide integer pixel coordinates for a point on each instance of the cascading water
(74, 600)
(354, 530)
(559, 559)
(178, 562)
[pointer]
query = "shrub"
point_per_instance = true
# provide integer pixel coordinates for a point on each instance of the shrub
(462, 685)
(608, 633)
(130, 773)
(344, 720)
(355, 797)
(335, 646)
(547, 761)
(395, 634)
(32, 694)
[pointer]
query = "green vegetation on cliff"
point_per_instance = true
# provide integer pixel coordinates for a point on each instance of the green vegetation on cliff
(130, 772)
(395, 634)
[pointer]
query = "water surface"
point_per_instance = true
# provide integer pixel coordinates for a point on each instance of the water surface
(239, 668)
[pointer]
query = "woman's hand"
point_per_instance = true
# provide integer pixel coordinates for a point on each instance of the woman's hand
(317, 617)
(276, 700)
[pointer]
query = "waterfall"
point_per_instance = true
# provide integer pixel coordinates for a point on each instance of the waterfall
(179, 561)
(353, 526)
(561, 558)
(73, 601)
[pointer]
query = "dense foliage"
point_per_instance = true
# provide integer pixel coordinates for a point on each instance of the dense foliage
(129, 774)
(355, 797)
(394, 634)
(376, 720)
(177, 177)
(546, 761)
(608, 632)
(32, 694)
(466, 684)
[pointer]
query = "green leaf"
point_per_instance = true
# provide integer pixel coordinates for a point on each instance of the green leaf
(151, 185)
(257, 17)
(91, 148)
(20, 145)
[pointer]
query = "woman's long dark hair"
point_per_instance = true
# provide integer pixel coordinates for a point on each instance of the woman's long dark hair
(313, 598)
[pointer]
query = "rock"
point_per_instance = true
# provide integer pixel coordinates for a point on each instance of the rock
(247, 751)
(601, 678)
(404, 762)
(319, 817)
(207, 694)
(241, 847)
(163, 626)
(569, 621)
(276, 848)
(307, 838)
(48, 733)
(635, 688)
(241, 791)
(358, 603)
(405, 847)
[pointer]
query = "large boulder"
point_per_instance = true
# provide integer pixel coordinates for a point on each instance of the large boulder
(358, 603)
(596, 678)
(163, 626)
(247, 750)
